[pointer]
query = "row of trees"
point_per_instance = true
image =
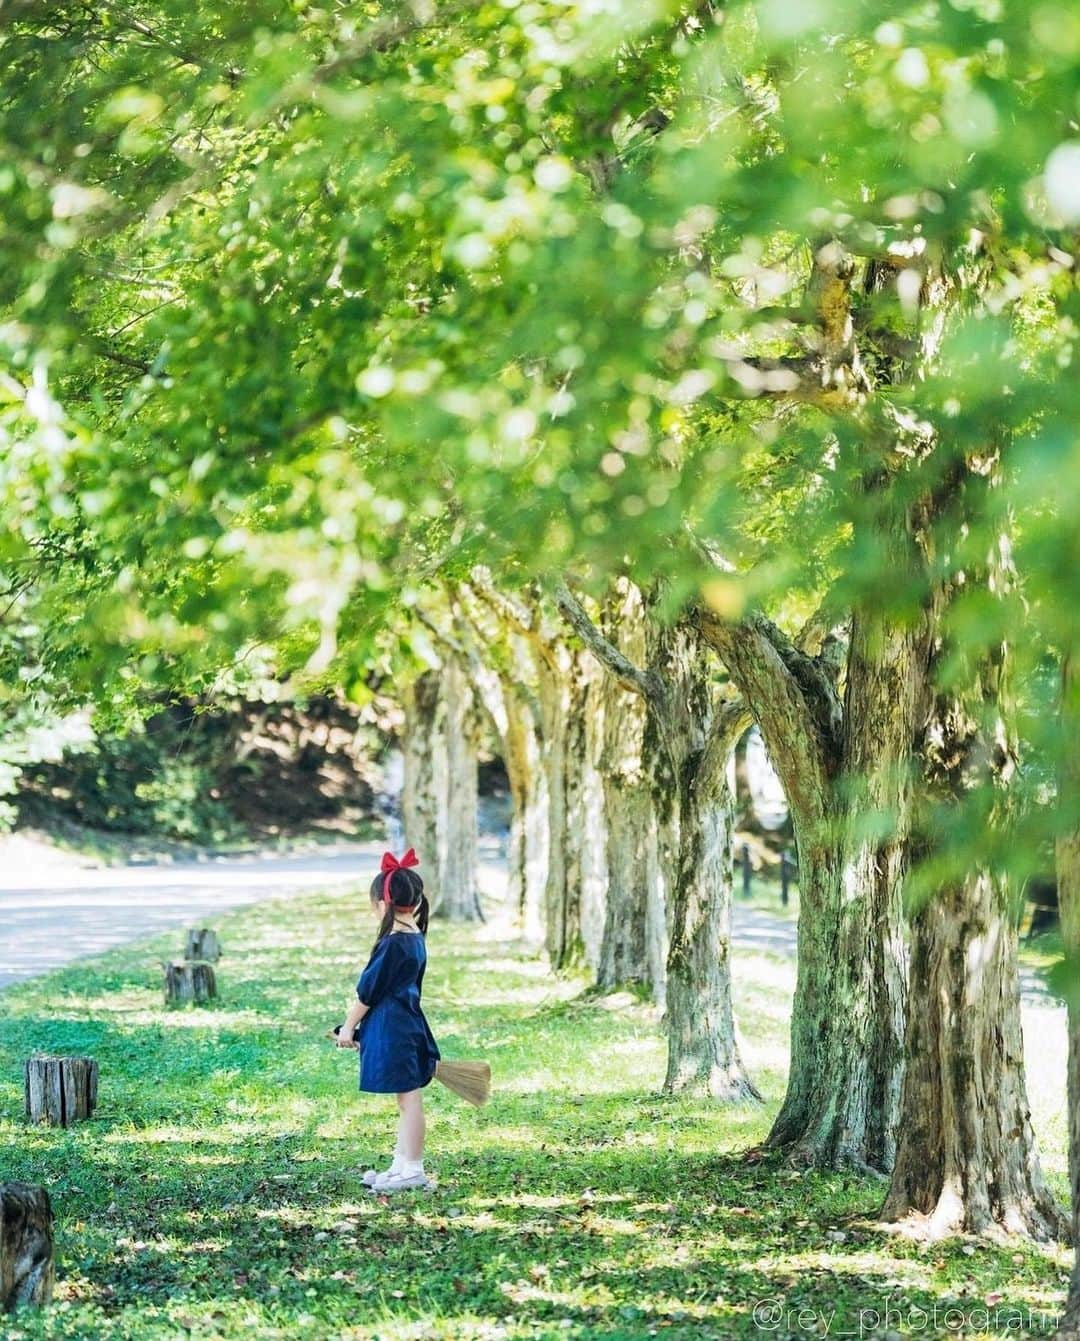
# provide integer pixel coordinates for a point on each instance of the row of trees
(745, 332)
(617, 730)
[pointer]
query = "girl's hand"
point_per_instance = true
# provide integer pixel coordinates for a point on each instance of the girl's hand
(343, 1040)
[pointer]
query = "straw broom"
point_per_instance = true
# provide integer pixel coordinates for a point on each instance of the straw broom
(470, 1081)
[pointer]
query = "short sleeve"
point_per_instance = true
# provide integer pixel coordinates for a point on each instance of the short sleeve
(378, 977)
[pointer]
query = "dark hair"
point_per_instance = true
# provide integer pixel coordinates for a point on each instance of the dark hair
(406, 889)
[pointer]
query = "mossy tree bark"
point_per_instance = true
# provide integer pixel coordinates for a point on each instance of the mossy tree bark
(689, 735)
(838, 761)
(846, 762)
(703, 1045)
(632, 829)
(557, 690)
(966, 1157)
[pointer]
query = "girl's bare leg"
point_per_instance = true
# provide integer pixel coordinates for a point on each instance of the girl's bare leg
(411, 1124)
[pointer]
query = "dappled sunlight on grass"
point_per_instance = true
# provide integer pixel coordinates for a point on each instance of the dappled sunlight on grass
(217, 1192)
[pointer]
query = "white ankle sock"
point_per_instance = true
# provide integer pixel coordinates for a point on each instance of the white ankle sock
(395, 1166)
(410, 1167)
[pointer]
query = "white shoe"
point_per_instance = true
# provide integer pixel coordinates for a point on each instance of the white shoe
(397, 1182)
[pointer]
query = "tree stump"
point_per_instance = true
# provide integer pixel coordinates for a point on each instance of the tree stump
(60, 1090)
(190, 981)
(26, 1246)
(202, 944)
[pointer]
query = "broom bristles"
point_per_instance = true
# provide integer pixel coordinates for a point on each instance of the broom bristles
(470, 1080)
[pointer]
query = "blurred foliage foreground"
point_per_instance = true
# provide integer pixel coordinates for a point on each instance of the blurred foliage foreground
(216, 1192)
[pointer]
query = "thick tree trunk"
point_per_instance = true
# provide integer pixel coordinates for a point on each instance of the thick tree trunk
(847, 1028)
(592, 909)
(459, 899)
(1068, 882)
(703, 1049)
(827, 1117)
(966, 1158)
(632, 879)
(841, 765)
(26, 1246)
(423, 743)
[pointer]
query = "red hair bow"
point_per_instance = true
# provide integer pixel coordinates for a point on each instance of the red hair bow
(390, 864)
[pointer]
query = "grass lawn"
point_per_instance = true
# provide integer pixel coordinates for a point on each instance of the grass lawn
(216, 1193)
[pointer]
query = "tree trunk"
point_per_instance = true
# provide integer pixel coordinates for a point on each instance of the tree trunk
(677, 739)
(841, 765)
(592, 905)
(703, 1049)
(567, 692)
(423, 742)
(60, 1090)
(26, 1246)
(459, 899)
(629, 806)
(1068, 883)
(847, 1030)
(966, 1158)
(528, 855)
(502, 675)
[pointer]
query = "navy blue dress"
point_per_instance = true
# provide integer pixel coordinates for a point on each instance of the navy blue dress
(397, 1049)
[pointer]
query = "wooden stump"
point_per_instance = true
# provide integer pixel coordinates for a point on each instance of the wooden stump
(60, 1090)
(190, 981)
(202, 944)
(26, 1246)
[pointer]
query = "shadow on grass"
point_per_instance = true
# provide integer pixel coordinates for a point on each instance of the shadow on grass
(217, 1191)
(611, 1241)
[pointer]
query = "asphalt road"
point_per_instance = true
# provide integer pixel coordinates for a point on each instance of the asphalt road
(53, 915)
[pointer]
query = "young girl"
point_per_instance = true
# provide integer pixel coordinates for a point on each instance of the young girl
(397, 1050)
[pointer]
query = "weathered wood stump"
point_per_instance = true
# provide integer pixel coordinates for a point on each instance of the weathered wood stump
(190, 981)
(202, 943)
(60, 1090)
(26, 1246)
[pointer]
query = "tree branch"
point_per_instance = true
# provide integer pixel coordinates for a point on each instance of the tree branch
(781, 695)
(485, 679)
(646, 683)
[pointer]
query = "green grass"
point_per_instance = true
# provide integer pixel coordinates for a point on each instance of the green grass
(216, 1193)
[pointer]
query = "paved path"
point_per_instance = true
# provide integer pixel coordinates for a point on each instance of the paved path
(53, 915)
(53, 911)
